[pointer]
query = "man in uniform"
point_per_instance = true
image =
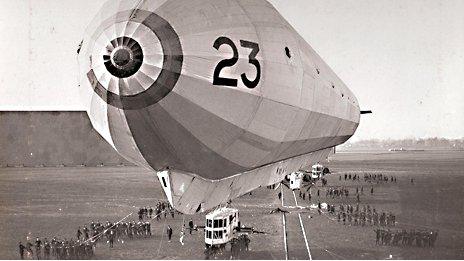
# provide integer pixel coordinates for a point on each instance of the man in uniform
(190, 226)
(38, 248)
(111, 237)
(46, 249)
(29, 249)
(21, 250)
(169, 232)
(79, 233)
(377, 236)
(181, 238)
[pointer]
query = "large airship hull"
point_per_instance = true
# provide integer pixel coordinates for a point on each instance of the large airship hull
(218, 97)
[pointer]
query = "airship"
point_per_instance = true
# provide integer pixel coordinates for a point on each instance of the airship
(216, 97)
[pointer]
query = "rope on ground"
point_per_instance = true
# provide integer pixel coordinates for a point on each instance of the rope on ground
(162, 236)
(104, 231)
(115, 224)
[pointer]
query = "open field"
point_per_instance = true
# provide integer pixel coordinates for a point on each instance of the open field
(49, 202)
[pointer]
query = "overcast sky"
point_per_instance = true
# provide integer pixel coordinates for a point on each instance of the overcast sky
(403, 59)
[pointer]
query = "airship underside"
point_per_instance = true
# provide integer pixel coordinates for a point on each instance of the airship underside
(219, 97)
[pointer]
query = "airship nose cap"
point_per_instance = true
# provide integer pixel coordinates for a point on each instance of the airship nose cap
(136, 83)
(121, 57)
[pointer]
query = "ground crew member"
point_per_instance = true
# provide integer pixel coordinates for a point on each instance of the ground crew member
(182, 234)
(46, 249)
(191, 226)
(38, 245)
(377, 232)
(280, 195)
(86, 233)
(21, 250)
(79, 233)
(169, 232)
(111, 238)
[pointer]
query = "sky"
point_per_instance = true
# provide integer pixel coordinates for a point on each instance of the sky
(402, 59)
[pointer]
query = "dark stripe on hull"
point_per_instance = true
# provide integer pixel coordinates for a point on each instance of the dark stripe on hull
(165, 143)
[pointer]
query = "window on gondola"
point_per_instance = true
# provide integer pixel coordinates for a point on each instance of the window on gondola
(216, 223)
(220, 223)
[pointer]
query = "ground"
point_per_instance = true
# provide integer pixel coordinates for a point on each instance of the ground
(49, 202)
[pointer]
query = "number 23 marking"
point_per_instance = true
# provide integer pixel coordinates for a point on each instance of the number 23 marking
(218, 80)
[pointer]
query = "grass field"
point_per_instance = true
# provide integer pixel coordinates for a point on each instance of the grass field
(49, 202)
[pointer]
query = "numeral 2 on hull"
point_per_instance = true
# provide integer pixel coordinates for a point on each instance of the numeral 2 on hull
(218, 80)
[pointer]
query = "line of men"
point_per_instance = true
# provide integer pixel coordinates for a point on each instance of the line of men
(379, 178)
(337, 192)
(88, 236)
(369, 177)
(406, 238)
(353, 177)
(161, 207)
(57, 249)
(117, 231)
(365, 216)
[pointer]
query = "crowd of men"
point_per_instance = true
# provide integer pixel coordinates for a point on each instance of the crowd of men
(161, 209)
(362, 216)
(352, 177)
(337, 192)
(406, 238)
(369, 177)
(87, 236)
(57, 249)
(379, 178)
(117, 232)
(366, 215)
